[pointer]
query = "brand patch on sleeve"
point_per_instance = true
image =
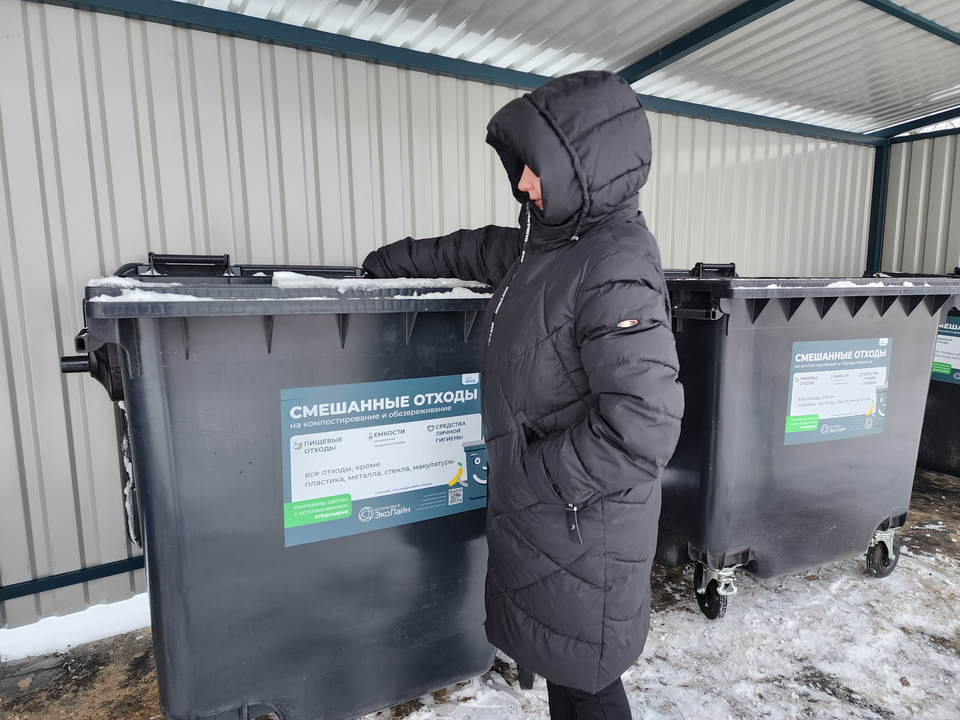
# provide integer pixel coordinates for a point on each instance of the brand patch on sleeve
(627, 323)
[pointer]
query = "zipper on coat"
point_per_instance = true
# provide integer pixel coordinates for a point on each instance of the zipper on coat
(523, 253)
(573, 524)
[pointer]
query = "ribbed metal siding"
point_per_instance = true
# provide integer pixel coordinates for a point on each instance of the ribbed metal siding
(548, 38)
(837, 63)
(922, 228)
(775, 204)
(60, 502)
(120, 136)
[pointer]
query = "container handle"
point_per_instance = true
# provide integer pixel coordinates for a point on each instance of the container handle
(162, 259)
(75, 364)
(702, 269)
(158, 264)
(217, 261)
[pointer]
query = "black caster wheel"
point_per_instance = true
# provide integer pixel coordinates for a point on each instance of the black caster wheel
(879, 562)
(712, 603)
(525, 677)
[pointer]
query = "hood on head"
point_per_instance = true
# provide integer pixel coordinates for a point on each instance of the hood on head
(587, 138)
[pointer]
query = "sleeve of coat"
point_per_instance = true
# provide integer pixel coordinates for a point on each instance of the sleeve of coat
(484, 255)
(632, 431)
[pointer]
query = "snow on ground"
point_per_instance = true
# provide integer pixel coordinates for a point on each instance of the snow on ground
(837, 643)
(56, 634)
(840, 644)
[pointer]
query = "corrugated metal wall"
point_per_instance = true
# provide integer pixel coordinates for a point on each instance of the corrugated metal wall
(775, 204)
(120, 136)
(921, 232)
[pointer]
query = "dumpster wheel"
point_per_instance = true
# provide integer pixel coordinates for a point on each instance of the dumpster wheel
(711, 602)
(525, 677)
(880, 562)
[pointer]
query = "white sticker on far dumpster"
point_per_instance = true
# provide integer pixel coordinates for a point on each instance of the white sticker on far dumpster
(373, 455)
(946, 357)
(838, 390)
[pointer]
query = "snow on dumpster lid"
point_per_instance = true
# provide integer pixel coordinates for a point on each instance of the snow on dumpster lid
(288, 280)
(285, 293)
(784, 287)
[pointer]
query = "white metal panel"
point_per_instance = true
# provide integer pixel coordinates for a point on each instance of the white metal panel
(942, 12)
(49, 240)
(837, 63)
(775, 204)
(922, 225)
(118, 137)
(548, 38)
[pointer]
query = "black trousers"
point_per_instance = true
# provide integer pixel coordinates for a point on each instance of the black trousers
(569, 704)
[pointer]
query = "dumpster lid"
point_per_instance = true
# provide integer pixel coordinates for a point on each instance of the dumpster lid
(281, 292)
(787, 287)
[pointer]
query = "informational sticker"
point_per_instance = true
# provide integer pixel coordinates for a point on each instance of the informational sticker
(838, 389)
(368, 456)
(946, 358)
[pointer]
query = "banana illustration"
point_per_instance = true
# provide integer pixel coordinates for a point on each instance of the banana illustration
(456, 478)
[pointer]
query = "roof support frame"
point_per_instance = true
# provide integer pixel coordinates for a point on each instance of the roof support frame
(952, 114)
(901, 13)
(709, 32)
(878, 207)
(223, 22)
(197, 17)
(762, 122)
(751, 10)
(925, 136)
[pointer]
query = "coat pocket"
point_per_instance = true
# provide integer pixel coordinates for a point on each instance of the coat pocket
(527, 435)
(538, 475)
(528, 430)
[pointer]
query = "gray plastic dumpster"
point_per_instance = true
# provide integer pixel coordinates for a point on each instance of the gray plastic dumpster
(314, 546)
(940, 439)
(804, 403)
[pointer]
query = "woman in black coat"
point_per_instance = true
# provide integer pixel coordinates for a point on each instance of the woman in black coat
(581, 404)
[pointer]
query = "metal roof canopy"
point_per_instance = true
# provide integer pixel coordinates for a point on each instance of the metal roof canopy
(835, 69)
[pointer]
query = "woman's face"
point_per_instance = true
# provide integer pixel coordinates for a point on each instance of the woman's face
(530, 184)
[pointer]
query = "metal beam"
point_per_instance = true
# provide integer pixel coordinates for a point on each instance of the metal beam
(704, 112)
(196, 17)
(228, 23)
(878, 205)
(901, 13)
(925, 136)
(54, 582)
(952, 114)
(719, 27)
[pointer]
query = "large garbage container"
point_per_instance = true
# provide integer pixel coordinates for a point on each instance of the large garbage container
(314, 546)
(804, 402)
(940, 439)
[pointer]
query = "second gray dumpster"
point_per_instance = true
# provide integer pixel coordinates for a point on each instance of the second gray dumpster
(805, 399)
(940, 440)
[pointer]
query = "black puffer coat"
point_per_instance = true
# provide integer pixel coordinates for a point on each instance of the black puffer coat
(581, 403)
